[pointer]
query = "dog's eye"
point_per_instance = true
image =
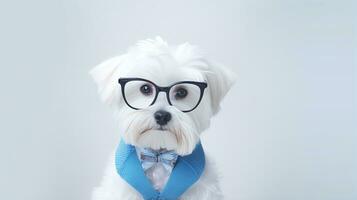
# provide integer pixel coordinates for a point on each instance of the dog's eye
(181, 93)
(146, 89)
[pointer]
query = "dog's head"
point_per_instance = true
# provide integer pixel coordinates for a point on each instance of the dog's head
(166, 95)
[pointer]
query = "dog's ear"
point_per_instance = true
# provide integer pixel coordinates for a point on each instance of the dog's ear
(219, 79)
(106, 77)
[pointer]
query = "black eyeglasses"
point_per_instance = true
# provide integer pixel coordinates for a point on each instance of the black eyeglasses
(139, 93)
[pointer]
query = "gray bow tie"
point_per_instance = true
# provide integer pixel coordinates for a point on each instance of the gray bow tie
(150, 157)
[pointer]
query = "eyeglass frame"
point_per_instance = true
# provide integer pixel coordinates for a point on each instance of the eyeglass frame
(158, 89)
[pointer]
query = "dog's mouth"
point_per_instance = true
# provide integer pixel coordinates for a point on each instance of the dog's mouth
(157, 138)
(160, 128)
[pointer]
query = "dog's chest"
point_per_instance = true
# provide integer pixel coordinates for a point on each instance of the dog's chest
(157, 166)
(158, 176)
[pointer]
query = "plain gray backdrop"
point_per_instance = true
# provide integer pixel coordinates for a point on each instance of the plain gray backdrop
(286, 131)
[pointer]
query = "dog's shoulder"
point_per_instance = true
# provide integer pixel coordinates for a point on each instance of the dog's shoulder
(207, 187)
(112, 187)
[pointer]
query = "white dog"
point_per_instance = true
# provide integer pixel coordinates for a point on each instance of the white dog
(164, 101)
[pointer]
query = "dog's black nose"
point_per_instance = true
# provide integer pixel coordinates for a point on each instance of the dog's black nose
(162, 117)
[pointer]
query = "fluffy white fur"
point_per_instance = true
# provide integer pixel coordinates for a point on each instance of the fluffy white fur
(155, 60)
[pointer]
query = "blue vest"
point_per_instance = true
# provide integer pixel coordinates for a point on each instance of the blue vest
(185, 173)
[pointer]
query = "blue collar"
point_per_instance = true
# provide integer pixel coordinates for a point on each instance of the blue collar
(186, 172)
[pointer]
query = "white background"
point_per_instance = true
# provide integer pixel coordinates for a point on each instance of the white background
(286, 131)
